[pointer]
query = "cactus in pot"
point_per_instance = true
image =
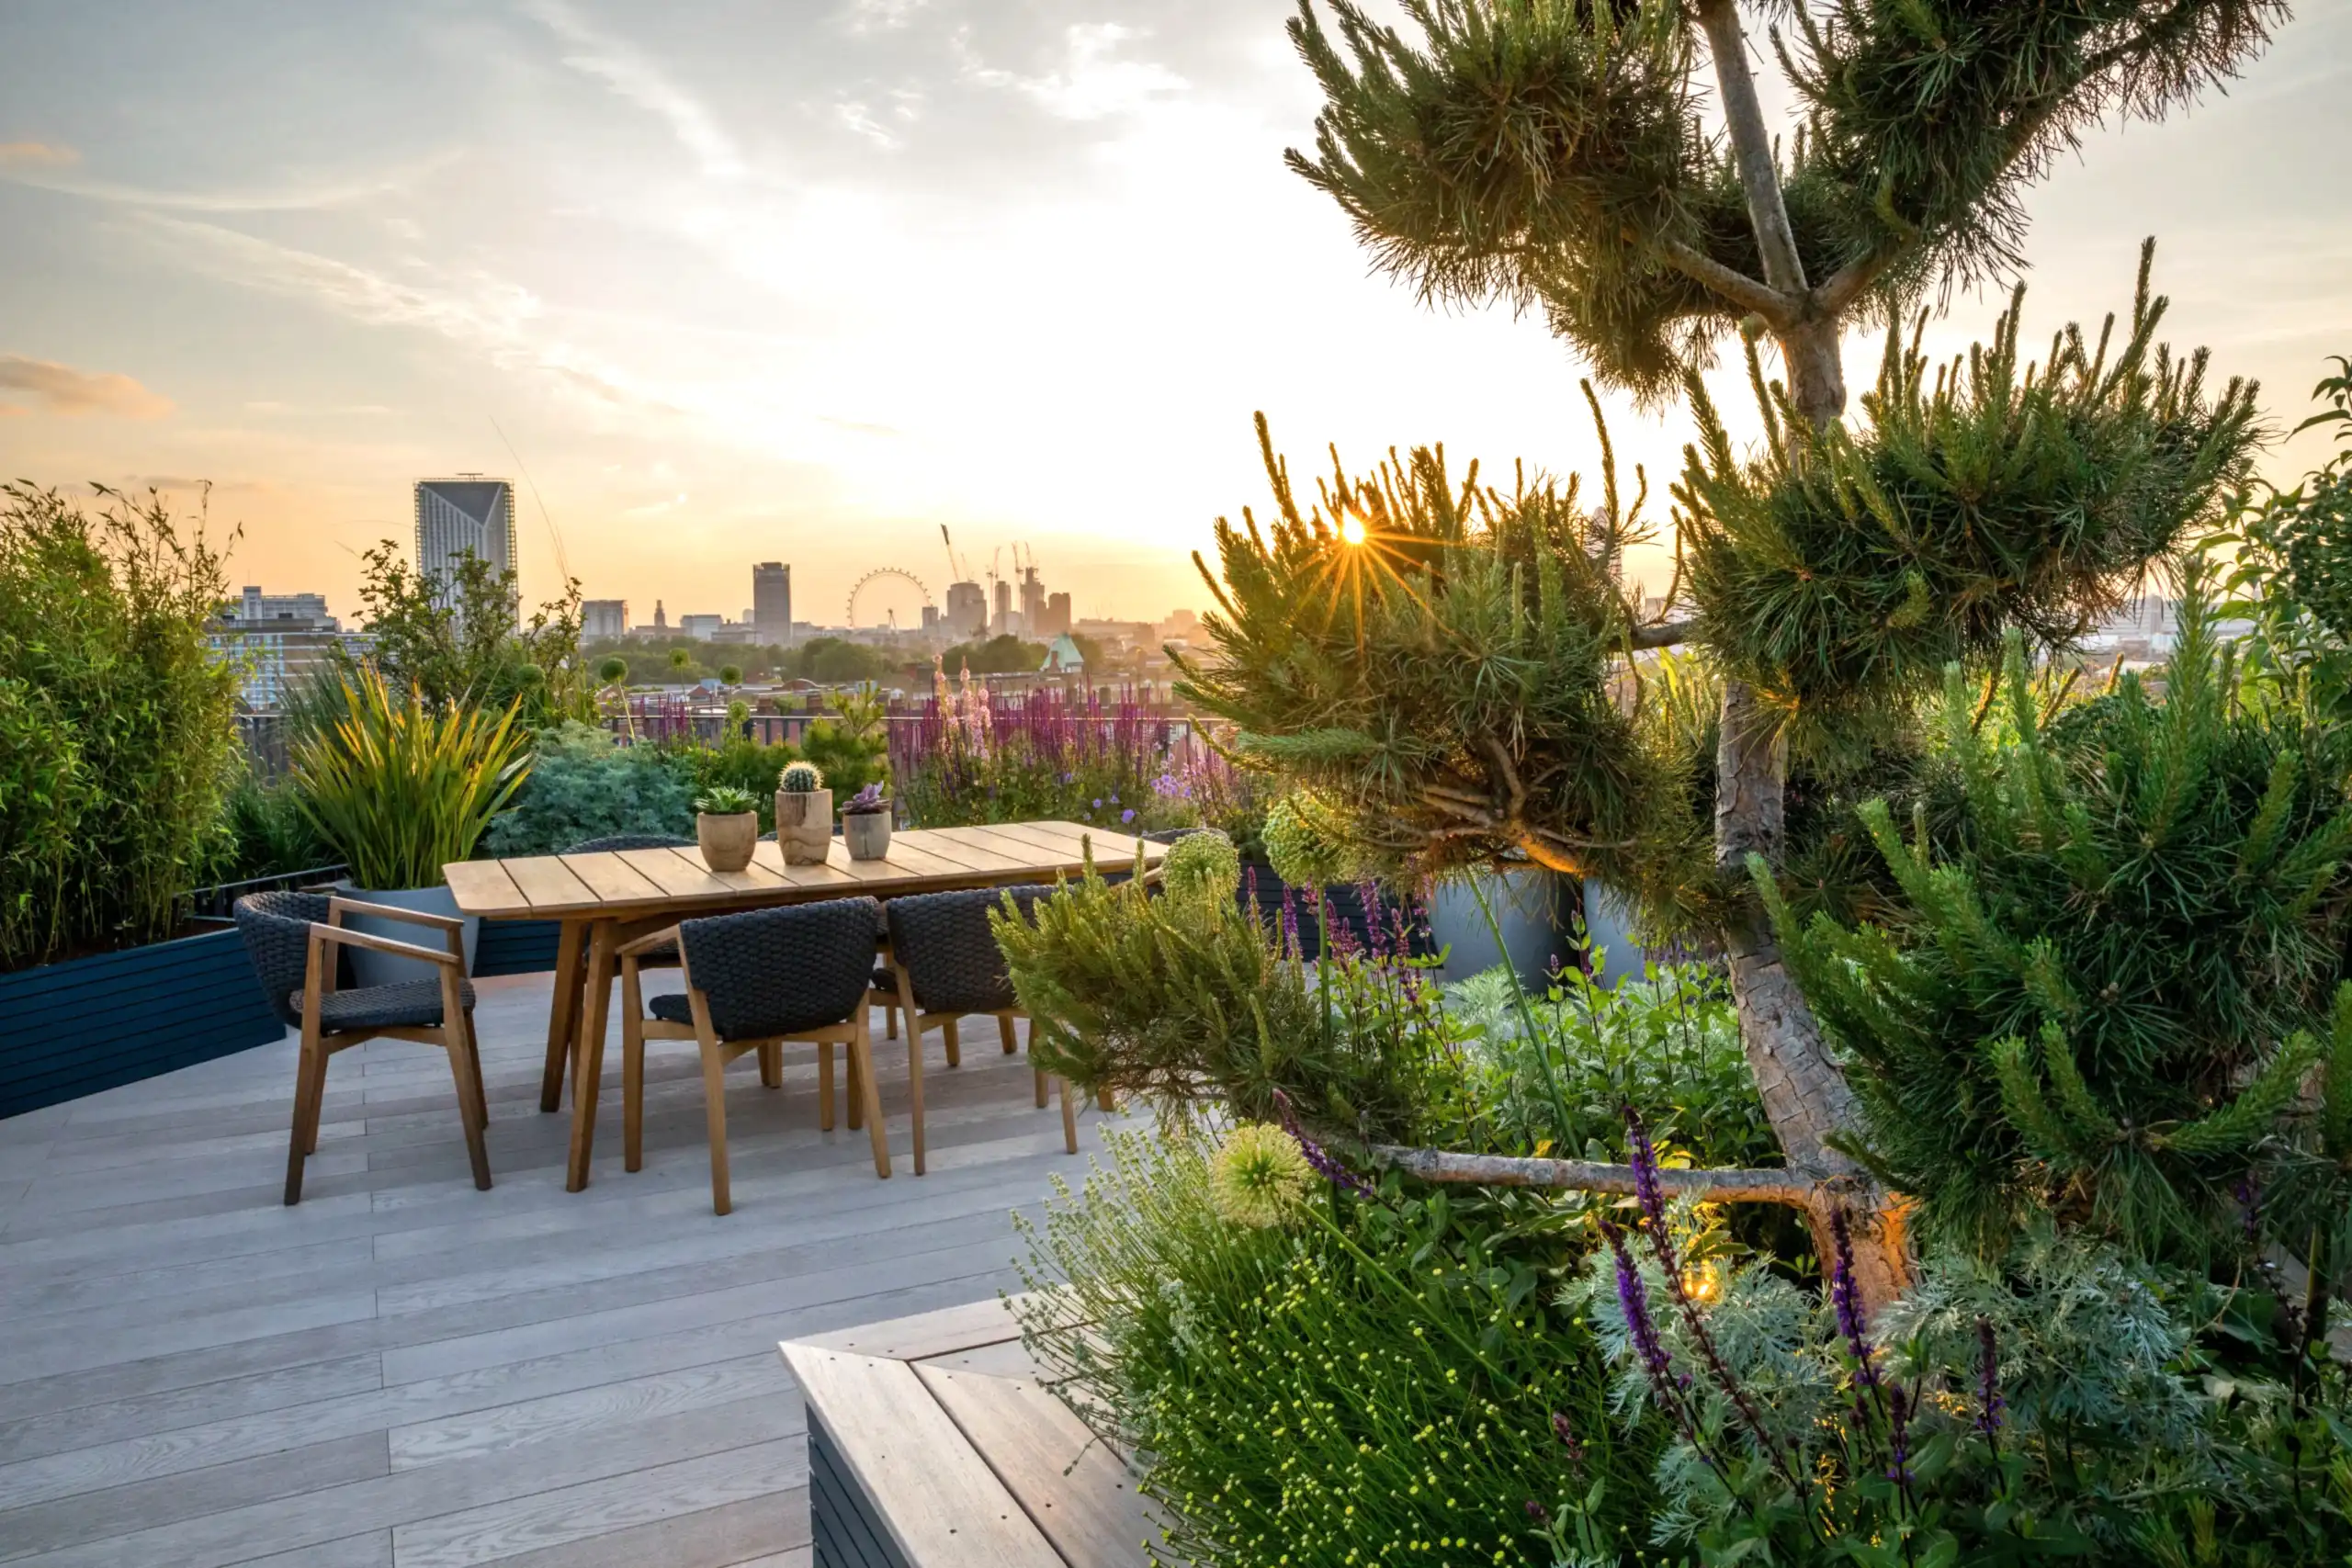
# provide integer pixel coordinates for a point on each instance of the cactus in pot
(804, 814)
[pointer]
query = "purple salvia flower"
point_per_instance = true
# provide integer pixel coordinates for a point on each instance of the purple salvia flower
(1845, 1298)
(1989, 1402)
(1330, 1170)
(1898, 1436)
(1633, 1301)
(1568, 1435)
(1643, 1156)
(1538, 1512)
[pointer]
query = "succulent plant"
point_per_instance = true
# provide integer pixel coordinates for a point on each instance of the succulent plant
(800, 778)
(867, 802)
(726, 800)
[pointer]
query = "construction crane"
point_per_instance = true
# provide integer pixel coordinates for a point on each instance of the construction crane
(958, 571)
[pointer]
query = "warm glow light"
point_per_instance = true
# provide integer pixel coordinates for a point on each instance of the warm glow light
(1351, 530)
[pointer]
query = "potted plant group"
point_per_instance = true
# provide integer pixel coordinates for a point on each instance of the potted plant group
(804, 814)
(865, 824)
(727, 826)
(401, 790)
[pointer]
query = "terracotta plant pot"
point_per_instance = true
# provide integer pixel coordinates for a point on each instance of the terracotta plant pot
(727, 842)
(804, 825)
(868, 834)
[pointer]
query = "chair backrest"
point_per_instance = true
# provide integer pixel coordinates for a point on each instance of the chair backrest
(952, 960)
(628, 841)
(277, 929)
(782, 971)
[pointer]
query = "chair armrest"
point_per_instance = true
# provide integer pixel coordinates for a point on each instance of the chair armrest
(339, 906)
(345, 936)
(647, 943)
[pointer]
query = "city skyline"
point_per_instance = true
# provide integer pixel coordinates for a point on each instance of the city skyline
(714, 286)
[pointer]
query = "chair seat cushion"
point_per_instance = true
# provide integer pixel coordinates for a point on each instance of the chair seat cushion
(410, 1004)
(671, 1007)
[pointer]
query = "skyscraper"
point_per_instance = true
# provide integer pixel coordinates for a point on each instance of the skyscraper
(967, 609)
(469, 514)
(604, 619)
(772, 601)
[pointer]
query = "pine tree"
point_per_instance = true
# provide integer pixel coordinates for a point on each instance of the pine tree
(1551, 153)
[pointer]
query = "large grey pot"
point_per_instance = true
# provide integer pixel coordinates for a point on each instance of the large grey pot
(1525, 906)
(369, 968)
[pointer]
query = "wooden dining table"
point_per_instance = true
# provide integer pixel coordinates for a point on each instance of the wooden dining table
(605, 899)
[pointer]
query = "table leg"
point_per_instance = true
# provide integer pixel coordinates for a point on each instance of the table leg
(601, 945)
(564, 1015)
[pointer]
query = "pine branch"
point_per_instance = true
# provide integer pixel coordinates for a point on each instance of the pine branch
(1724, 1186)
(1759, 174)
(1667, 634)
(1778, 311)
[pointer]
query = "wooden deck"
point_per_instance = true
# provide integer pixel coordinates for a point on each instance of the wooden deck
(405, 1371)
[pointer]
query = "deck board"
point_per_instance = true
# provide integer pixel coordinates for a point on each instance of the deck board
(403, 1372)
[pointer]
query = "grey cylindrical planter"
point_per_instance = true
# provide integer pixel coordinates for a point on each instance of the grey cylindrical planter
(727, 841)
(372, 969)
(804, 825)
(1525, 904)
(867, 833)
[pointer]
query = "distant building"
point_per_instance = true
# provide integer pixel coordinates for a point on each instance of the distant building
(930, 619)
(1003, 624)
(772, 601)
(1055, 622)
(661, 619)
(1118, 634)
(604, 619)
(702, 629)
(967, 609)
(1033, 602)
(254, 608)
(1182, 625)
(468, 515)
(1063, 658)
(278, 641)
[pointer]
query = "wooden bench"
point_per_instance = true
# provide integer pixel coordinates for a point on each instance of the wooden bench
(931, 1444)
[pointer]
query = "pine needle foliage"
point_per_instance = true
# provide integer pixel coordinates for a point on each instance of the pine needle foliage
(1549, 152)
(1841, 570)
(2106, 997)
(1434, 658)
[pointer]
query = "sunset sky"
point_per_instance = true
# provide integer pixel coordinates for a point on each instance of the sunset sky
(743, 280)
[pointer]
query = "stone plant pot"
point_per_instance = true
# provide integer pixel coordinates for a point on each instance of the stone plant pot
(727, 841)
(868, 834)
(372, 969)
(804, 825)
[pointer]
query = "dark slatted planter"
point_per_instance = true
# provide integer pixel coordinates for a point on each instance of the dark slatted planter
(516, 947)
(72, 1028)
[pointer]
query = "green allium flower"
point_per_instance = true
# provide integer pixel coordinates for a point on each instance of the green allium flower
(1259, 1178)
(1306, 842)
(1204, 863)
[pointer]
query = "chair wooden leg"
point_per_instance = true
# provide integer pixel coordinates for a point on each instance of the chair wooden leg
(771, 1066)
(824, 1086)
(1102, 1101)
(954, 1046)
(453, 1039)
(861, 1059)
(714, 1096)
(1039, 1074)
(473, 1063)
(1070, 1117)
(890, 1019)
(309, 1077)
(855, 1090)
(914, 1094)
(1004, 1034)
(632, 1067)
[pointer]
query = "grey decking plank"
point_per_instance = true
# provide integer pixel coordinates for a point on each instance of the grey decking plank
(712, 1538)
(146, 1505)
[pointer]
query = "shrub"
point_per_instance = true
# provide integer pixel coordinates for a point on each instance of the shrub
(737, 762)
(455, 642)
(266, 832)
(584, 786)
(1190, 1001)
(973, 755)
(2105, 995)
(853, 746)
(1354, 1381)
(401, 790)
(117, 721)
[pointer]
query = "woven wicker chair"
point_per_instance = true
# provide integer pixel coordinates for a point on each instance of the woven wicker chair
(943, 965)
(295, 940)
(754, 982)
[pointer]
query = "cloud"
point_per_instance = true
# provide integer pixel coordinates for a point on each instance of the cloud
(36, 155)
(315, 196)
(632, 74)
(63, 389)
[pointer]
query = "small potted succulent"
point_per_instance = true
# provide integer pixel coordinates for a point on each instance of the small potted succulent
(727, 826)
(804, 814)
(865, 824)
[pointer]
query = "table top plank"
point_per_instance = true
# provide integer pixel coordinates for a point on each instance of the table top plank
(645, 884)
(482, 885)
(550, 884)
(611, 879)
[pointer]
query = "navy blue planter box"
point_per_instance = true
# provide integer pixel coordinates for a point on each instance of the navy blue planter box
(72, 1028)
(1351, 922)
(516, 947)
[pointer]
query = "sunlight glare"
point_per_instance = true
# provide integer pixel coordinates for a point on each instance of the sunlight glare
(1351, 530)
